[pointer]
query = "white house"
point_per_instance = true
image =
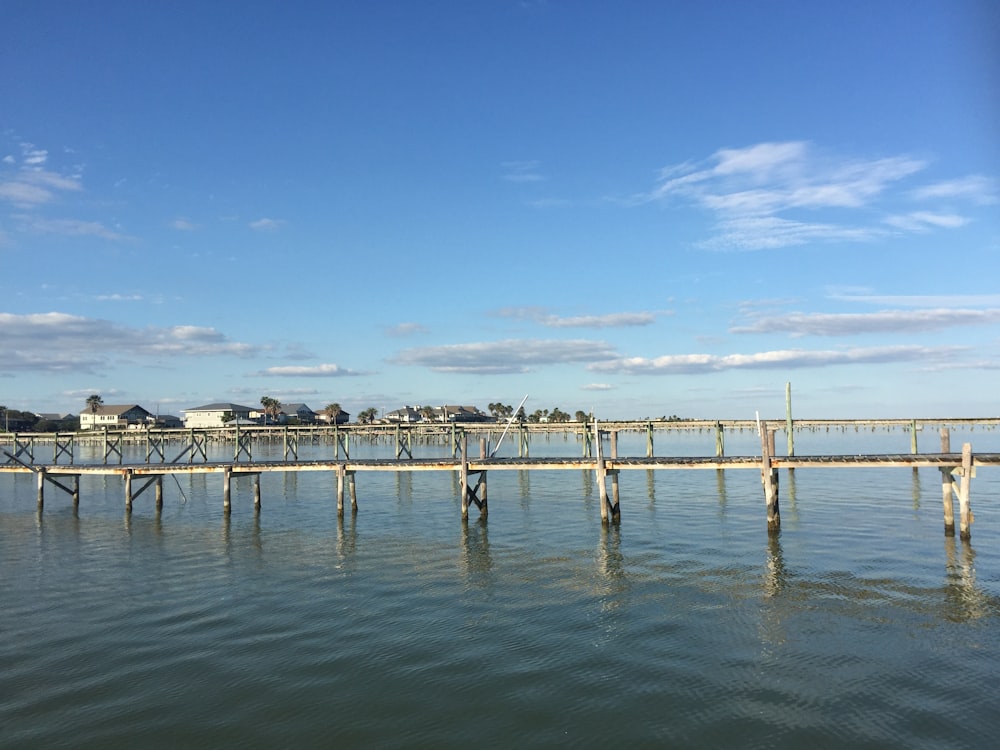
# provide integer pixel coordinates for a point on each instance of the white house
(214, 415)
(112, 416)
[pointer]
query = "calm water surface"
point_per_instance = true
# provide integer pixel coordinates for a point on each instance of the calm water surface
(859, 625)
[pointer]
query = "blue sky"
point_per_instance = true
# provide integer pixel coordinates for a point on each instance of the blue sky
(635, 208)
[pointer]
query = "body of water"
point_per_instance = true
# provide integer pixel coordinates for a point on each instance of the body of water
(859, 625)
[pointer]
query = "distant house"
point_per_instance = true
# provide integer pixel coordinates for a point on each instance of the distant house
(114, 416)
(215, 415)
(460, 414)
(406, 414)
(169, 422)
(301, 412)
(343, 417)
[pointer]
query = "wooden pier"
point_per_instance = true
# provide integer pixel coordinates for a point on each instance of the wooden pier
(957, 468)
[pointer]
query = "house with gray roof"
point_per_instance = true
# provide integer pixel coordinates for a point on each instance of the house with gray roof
(215, 415)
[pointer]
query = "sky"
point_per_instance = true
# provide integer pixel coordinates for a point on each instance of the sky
(636, 209)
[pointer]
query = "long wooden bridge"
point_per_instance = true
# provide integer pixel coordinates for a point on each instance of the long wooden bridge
(957, 468)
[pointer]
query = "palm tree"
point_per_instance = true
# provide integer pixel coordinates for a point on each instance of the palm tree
(367, 416)
(94, 402)
(272, 407)
(332, 411)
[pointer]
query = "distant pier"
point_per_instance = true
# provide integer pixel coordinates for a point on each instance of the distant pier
(22, 454)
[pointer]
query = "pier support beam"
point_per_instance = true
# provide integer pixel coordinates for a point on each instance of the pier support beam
(256, 493)
(128, 490)
(40, 476)
(227, 480)
(946, 493)
(965, 518)
(769, 478)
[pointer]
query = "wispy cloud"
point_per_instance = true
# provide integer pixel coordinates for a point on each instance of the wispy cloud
(59, 342)
(849, 324)
(27, 183)
(521, 171)
(402, 330)
(183, 225)
(596, 387)
(977, 188)
(915, 300)
(266, 225)
(772, 195)
(314, 371)
(610, 320)
(504, 357)
(688, 364)
(68, 227)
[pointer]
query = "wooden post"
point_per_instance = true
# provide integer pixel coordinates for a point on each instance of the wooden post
(159, 493)
(769, 477)
(720, 440)
(256, 493)
(602, 488)
(353, 491)
(788, 419)
(483, 509)
(965, 511)
(615, 507)
(40, 476)
(913, 437)
(649, 439)
(76, 490)
(227, 476)
(341, 473)
(946, 493)
(128, 490)
(464, 474)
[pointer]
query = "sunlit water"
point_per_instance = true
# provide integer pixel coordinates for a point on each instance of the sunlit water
(859, 625)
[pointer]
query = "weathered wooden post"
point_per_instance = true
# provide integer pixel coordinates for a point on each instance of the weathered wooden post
(769, 477)
(602, 489)
(615, 507)
(341, 473)
(353, 491)
(946, 493)
(720, 440)
(789, 425)
(128, 490)
(965, 519)
(464, 474)
(227, 476)
(649, 439)
(483, 508)
(913, 437)
(76, 490)
(256, 492)
(159, 492)
(40, 477)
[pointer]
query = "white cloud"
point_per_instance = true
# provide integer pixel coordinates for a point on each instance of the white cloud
(687, 364)
(405, 329)
(68, 227)
(924, 221)
(916, 300)
(58, 342)
(183, 225)
(504, 357)
(596, 387)
(266, 225)
(521, 171)
(849, 324)
(977, 188)
(772, 195)
(316, 371)
(610, 320)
